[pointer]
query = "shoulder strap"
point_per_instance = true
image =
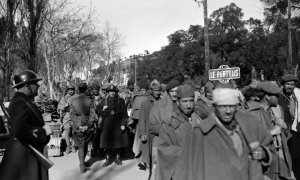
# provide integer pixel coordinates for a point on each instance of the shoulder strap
(33, 110)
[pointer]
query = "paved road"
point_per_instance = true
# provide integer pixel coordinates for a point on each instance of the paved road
(67, 167)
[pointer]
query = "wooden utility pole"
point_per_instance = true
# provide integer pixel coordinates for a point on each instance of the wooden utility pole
(206, 37)
(119, 72)
(135, 61)
(290, 56)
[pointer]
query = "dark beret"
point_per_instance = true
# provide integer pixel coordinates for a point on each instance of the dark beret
(185, 91)
(268, 87)
(172, 84)
(288, 77)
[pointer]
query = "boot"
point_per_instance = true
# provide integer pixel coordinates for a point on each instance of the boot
(81, 160)
(68, 150)
(82, 168)
(67, 138)
(107, 159)
(118, 160)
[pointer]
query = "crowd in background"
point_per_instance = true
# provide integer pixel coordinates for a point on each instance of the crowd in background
(183, 131)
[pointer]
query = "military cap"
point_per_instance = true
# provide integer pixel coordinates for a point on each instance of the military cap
(288, 77)
(112, 88)
(172, 84)
(268, 87)
(104, 87)
(185, 91)
(70, 87)
(155, 85)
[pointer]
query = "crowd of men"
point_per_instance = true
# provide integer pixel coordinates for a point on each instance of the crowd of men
(183, 131)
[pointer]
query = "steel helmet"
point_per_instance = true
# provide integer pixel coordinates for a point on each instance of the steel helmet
(25, 77)
(112, 88)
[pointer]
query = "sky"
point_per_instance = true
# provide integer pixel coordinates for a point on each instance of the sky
(145, 24)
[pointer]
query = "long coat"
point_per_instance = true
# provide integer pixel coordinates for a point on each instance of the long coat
(171, 141)
(19, 162)
(113, 118)
(281, 162)
(143, 128)
(209, 153)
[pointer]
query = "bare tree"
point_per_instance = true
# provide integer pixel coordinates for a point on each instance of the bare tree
(65, 30)
(113, 41)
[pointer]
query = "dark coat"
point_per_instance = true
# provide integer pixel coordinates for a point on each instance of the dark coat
(171, 141)
(82, 113)
(143, 126)
(113, 118)
(19, 162)
(281, 165)
(209, 152)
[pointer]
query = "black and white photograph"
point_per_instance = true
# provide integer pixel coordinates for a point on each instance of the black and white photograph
(149, 89)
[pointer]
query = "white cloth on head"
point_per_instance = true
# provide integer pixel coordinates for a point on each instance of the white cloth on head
(225, 96)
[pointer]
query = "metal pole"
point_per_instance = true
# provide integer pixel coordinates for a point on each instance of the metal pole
(290, 57)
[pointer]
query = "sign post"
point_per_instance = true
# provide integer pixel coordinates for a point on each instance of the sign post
(224, 74)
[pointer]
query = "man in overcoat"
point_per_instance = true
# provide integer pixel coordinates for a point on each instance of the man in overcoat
(143, 125)
(271, 117)
(227, 145)
(163, 109)
(28, 128)
(289, 100)
(174, 134)
(83, 117)
(114, 116)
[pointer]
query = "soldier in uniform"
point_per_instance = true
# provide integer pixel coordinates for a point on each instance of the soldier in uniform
(28, 128)
(64, 112)
(97, 97)
(113, 111)
(82, 114)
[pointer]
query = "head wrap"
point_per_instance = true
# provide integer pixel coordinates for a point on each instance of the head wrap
(225, 96)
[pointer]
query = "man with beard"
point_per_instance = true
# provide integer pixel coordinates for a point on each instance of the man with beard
(143, 125)
(267, 114)
(174, 134)
(64, 112)
(163, 109)
(83, 116)
(289, 101)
